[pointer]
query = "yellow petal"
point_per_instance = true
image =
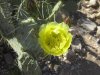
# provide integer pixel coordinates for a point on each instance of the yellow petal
(54, 38)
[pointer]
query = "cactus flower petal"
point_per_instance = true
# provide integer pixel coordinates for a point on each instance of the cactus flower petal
(54, 38)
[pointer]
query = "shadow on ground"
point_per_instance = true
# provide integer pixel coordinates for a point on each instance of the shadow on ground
(83, 67)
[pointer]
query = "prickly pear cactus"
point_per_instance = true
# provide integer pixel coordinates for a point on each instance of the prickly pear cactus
(20, 29)
(20, 39)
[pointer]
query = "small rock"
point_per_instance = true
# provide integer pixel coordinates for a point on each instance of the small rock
(98, 30)
(98, 15)
(98, 21)
(91, 43)
(71, 56)
(87, 24)
(98, 41)
(92, 2)
(45, 68)
(56, 67)
(76, 44)
(55, 60)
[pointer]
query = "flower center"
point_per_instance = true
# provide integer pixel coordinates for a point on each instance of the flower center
(56, 40)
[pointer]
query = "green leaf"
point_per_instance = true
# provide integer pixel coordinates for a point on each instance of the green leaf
(29, 66)
(26, 62)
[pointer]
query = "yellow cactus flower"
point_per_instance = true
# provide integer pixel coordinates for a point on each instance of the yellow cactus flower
(54, 38)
